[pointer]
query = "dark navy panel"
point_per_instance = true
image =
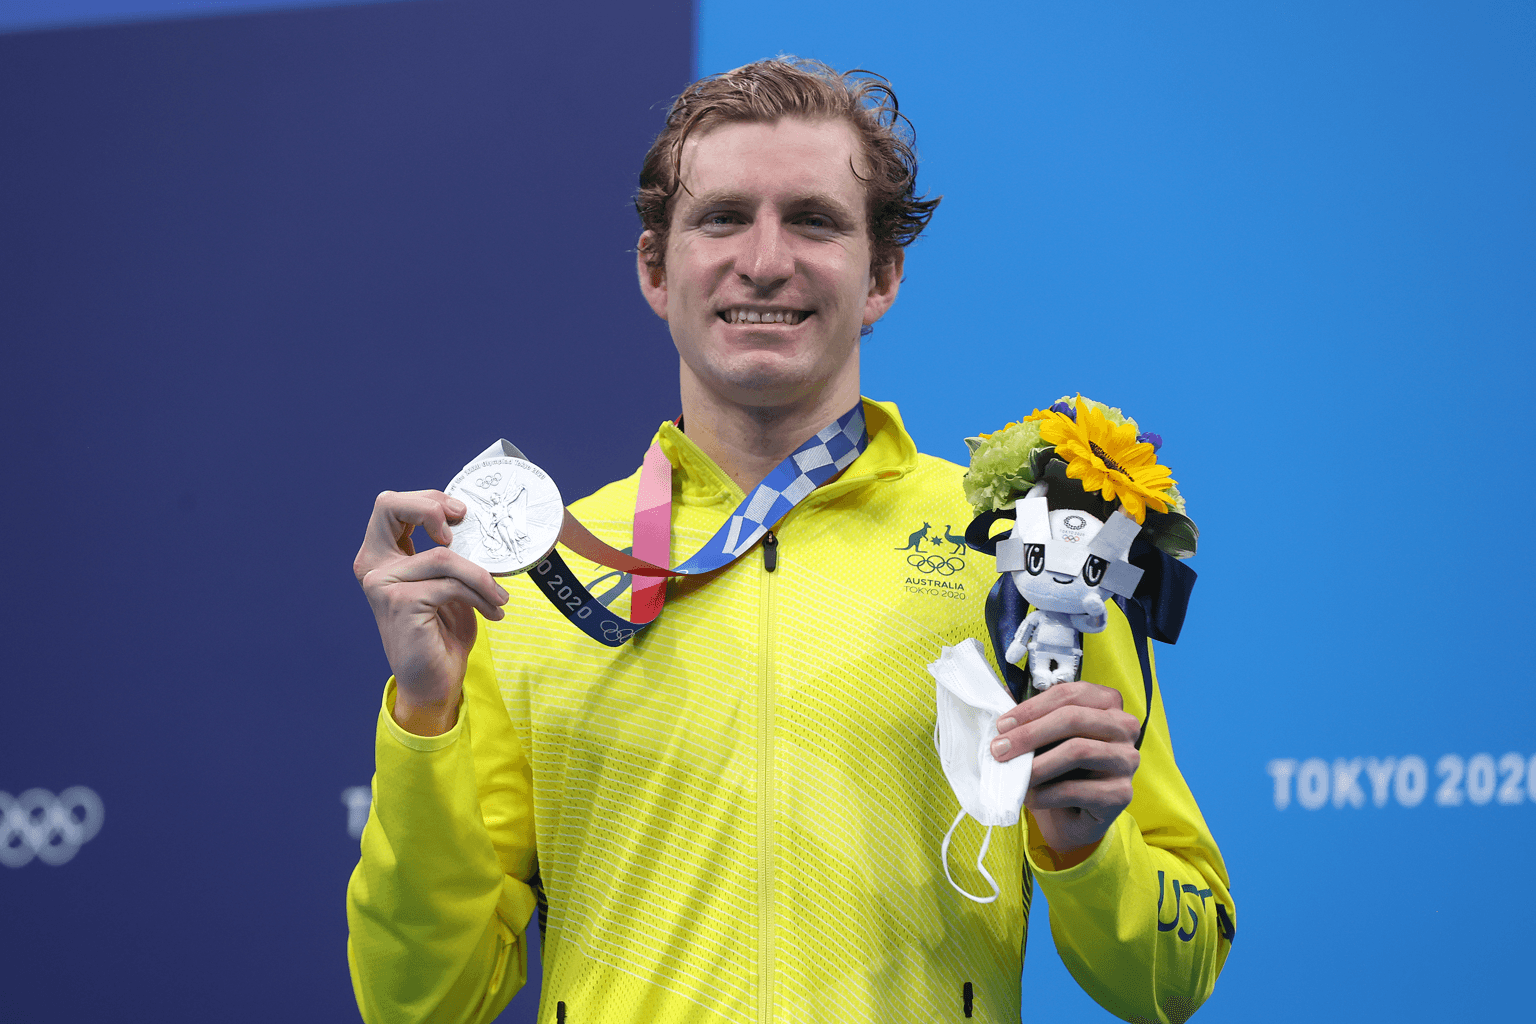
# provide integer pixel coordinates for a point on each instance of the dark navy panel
(253, 270)
(24, 15)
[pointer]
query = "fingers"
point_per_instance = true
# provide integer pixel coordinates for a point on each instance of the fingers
(1101, 799)
(395, 515)
(1085, 694)
(1084, 778)
(1064, 711)
(441, 593)
(1084, 760)
(435, 577)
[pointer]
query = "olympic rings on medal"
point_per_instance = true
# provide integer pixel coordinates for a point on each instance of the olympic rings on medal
(934, 564)
(50, 828)
(489, 481)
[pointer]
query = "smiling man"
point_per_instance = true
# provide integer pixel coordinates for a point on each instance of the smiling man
(736, 816)
(765, 275)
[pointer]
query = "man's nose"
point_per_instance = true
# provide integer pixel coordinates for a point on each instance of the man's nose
(766, 261)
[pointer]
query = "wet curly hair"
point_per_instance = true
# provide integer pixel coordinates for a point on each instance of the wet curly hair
(764, 92)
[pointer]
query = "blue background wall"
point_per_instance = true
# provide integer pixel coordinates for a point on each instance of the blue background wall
(1295, 239)
(254, 268)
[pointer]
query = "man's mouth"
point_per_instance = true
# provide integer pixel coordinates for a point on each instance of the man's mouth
(744, 315)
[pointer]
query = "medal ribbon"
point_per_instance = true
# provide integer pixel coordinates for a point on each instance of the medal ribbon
(807, 468)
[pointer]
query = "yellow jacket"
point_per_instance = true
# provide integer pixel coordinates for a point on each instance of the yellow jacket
(736, 817)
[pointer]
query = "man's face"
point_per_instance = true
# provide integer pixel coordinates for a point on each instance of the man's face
(767, 277)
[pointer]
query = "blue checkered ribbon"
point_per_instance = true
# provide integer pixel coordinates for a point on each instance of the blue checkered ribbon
(811, 465)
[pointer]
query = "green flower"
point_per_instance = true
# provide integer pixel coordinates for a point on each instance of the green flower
(1001, 465)
(1178, 501)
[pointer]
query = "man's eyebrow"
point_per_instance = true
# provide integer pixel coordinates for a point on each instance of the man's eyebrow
(731, 197)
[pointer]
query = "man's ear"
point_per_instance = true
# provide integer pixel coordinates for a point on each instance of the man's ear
(653, 279)
(884, 283)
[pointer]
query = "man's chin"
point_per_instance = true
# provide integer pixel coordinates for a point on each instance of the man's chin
(766, 390)
(768, 377)
(763, 384)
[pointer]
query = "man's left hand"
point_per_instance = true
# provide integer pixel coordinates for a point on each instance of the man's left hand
(1085, 757)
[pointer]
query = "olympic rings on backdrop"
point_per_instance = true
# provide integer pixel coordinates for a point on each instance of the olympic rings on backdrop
(50, 828)
(934, 564)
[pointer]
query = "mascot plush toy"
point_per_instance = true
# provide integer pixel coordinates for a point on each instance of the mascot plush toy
(1095, 519)
(1064, 563)
(1093, 513)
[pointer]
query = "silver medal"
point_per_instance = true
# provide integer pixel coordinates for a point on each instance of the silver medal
(514, 511)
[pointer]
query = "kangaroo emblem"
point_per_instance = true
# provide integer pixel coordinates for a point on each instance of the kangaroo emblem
(958, 542)
(915, 542)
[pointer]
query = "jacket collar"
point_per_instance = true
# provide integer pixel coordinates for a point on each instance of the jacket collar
(890, 456)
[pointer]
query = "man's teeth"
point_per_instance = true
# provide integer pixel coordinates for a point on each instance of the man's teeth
(752, 316)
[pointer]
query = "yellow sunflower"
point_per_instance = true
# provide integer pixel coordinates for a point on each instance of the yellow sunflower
(1107, 458)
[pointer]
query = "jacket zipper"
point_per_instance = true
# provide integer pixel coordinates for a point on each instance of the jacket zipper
(765, 788)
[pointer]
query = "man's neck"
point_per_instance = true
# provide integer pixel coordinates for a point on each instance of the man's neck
(747, 442)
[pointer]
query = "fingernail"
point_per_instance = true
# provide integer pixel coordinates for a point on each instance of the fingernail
(1005, 724)
(1001, 746)
(456, 506)
(502, 595)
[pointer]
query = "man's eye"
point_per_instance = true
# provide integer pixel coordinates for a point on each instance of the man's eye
(722, 219)
(814, 220)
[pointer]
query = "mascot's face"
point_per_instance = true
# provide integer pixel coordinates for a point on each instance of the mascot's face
(1054, 591)
(1058, 558)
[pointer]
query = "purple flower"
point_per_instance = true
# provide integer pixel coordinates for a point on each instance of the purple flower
(1155, 440)
(1066, 409)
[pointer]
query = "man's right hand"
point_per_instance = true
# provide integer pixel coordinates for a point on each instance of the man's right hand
(425, 604)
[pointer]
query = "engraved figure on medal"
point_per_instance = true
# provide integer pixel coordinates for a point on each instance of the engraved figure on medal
(514, 514)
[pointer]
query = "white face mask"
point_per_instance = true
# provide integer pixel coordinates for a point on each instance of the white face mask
(970, 699)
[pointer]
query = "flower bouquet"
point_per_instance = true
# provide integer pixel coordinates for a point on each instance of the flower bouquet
(1096, 518)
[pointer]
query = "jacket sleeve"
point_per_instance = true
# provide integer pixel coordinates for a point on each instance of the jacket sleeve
(438, 903)
(1146, 922)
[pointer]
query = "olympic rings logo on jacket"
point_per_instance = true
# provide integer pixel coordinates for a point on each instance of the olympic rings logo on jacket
(929, 564)
(50, 828)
